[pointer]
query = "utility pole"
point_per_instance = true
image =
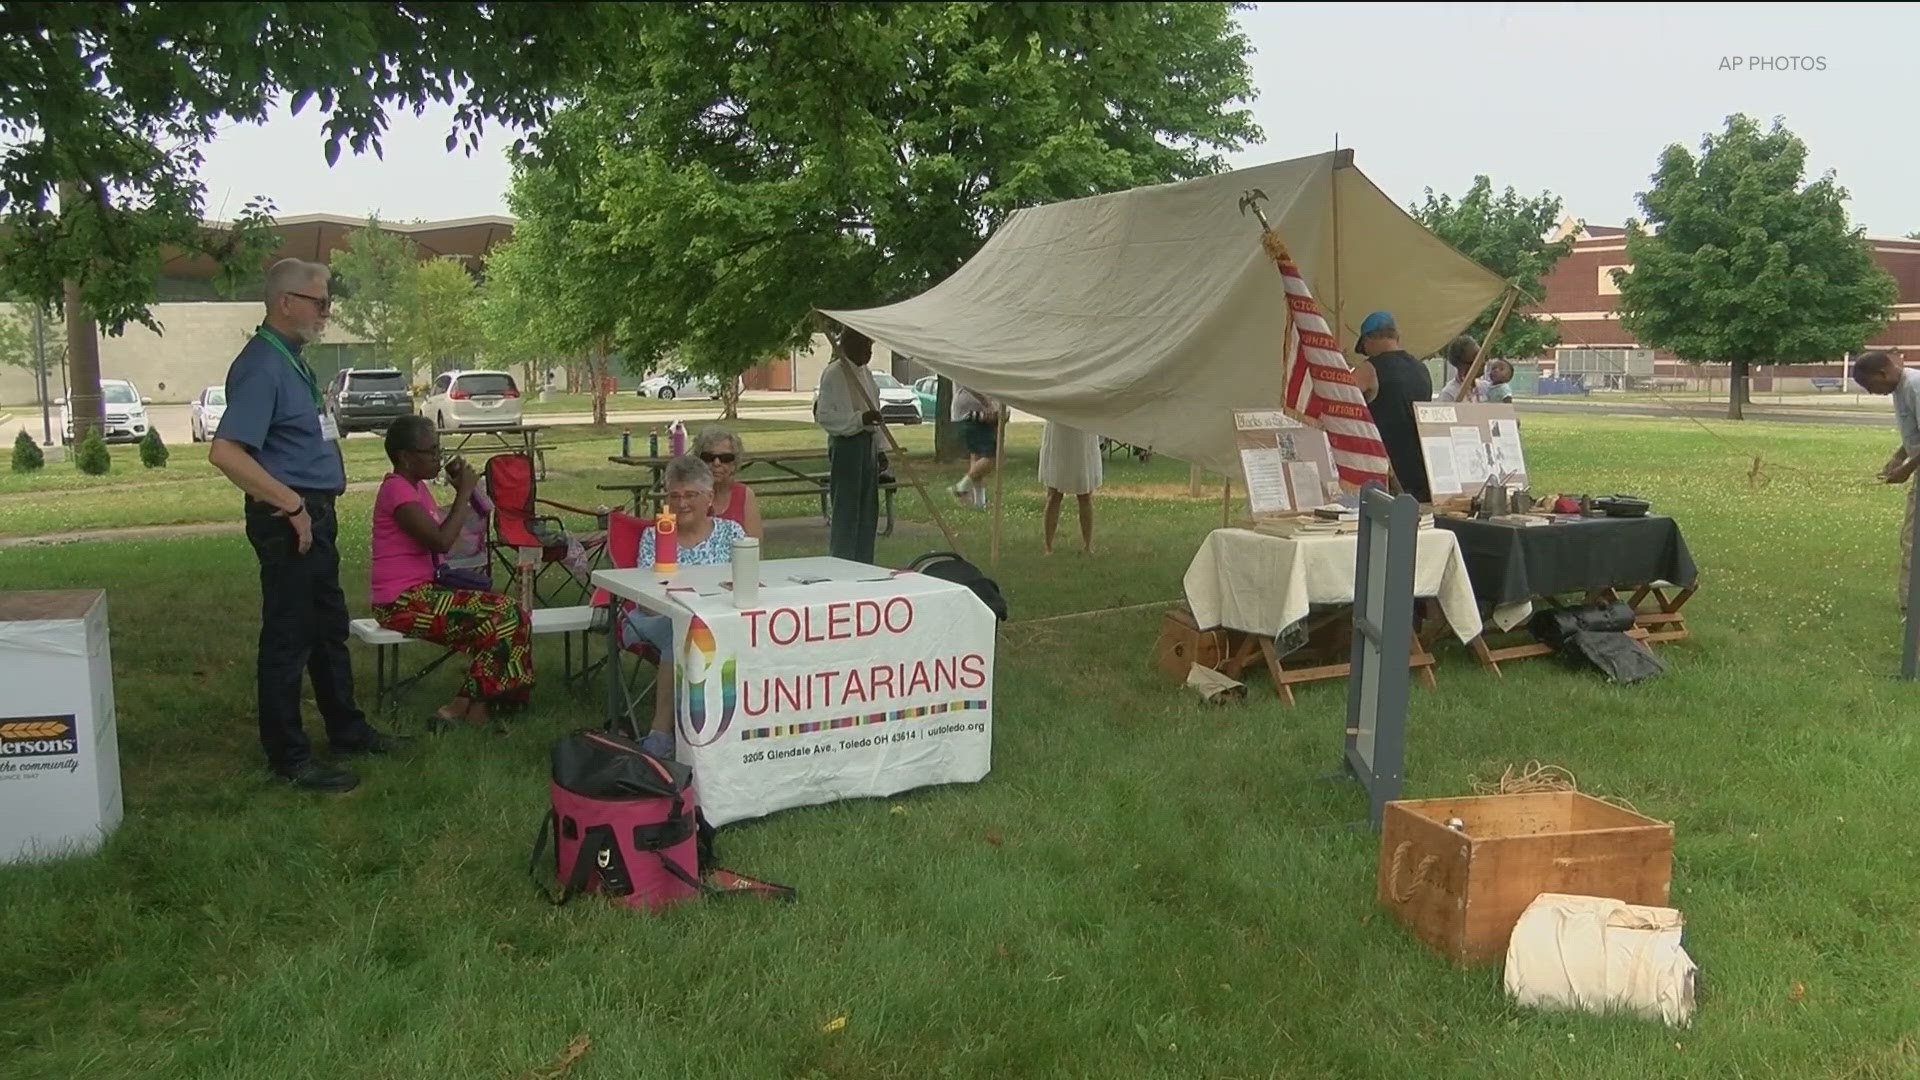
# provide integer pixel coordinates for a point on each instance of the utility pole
(40, 373)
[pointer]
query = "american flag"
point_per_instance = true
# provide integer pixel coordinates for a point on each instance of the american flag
(1320, 385)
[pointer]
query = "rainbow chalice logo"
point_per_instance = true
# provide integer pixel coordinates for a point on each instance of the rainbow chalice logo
(693, 676)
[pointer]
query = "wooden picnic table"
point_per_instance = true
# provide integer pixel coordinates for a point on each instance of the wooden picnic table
(516, 439)
(788, 478)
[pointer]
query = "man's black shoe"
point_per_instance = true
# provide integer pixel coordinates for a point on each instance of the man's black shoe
(315, 776)
(379, 742)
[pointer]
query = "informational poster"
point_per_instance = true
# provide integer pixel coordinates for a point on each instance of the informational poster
(1468, 444)
(1287, 466)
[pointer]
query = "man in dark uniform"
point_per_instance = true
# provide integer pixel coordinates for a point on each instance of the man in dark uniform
(1393, 382)
(277, 445)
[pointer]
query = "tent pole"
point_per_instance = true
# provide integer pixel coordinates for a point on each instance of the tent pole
(1193, 481)
(913, 476)
(1339, 295)
(1226, 504)
(1480, 356)
(999, 481)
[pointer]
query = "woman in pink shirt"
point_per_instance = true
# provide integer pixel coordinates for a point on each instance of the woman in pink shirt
(720, 449)
(409, 534)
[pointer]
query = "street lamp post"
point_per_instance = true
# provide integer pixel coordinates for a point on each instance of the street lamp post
(40, 371)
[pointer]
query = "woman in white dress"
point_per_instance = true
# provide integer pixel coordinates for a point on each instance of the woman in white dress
(1069, 464)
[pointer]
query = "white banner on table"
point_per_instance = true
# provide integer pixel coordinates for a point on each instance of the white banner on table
(872, 689)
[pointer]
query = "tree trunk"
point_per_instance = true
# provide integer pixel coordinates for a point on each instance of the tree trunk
(83, 366)
(1737, 390)
(946, 435)
(599, 368)
(730, 399)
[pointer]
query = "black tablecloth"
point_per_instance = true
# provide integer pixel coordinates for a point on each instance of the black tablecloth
(1511, 563)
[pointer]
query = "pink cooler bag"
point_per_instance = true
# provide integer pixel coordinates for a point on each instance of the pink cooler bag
(623, 823)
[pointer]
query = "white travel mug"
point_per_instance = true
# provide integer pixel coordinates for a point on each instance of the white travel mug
(746, 572)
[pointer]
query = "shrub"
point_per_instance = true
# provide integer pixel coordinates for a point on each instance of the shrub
(153, 452)
(26, 453)
(92, 456)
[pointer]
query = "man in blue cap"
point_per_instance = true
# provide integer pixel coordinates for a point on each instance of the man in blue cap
(1393, 381)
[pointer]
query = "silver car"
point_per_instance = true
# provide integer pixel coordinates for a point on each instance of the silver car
(472, 399)
(208, 408)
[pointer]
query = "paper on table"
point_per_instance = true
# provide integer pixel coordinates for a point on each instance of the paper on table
(1304, 476)
(1266, 479)
(1469, 457)
(1506, 436)
(1440, 471)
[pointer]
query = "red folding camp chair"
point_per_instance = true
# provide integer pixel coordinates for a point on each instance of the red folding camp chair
(624, 532)
(510, 484)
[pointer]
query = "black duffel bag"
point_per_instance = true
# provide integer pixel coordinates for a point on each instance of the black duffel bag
(1553, 626)
(1595, 636)
(948, 566)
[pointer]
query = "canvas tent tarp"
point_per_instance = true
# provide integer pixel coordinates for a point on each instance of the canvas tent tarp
(1149, 315)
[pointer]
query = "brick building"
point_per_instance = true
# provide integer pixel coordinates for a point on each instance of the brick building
(1581, 294)
(202, 330)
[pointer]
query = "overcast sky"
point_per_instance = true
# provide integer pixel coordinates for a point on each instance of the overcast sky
(1576, 99)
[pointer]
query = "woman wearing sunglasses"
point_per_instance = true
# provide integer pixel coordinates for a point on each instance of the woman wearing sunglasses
(723, 455)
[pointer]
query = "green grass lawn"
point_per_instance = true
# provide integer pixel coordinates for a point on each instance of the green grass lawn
(1143, 887)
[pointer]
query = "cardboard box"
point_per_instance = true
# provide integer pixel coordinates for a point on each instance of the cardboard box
(1462, 891)
(59, 751)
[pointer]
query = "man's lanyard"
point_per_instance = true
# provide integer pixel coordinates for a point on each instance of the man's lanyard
(299, 366)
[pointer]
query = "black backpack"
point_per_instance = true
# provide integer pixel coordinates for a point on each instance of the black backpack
(949, 566)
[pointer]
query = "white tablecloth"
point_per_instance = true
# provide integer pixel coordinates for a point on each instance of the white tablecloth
(1263, 584)
(843, 680)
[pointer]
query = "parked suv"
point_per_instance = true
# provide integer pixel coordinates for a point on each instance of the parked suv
(126, 413)
(368, 399)
(472, 399)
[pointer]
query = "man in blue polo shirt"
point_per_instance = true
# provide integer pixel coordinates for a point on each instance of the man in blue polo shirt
(277, 446)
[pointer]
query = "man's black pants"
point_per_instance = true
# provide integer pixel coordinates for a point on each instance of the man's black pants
(303, 628)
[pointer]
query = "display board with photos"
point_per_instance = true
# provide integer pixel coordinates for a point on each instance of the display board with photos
(1467, 443)
(1286, 465)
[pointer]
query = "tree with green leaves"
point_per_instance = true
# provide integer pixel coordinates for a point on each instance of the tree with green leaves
(547, 296)
(1739, 262)
(92, 456)
(153, 452)
(1506, 233)
(18, 347)
(108, 106)
(439, 317)
(744, 163)
(375, 270)
(27, 456)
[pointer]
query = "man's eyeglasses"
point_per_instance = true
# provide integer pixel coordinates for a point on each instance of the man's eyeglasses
(324, 303)
(724, 459)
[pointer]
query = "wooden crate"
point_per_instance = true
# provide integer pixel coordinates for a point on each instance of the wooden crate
(1183, 644)
(1462, 892)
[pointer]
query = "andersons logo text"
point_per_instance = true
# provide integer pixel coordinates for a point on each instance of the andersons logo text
(37, 736)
